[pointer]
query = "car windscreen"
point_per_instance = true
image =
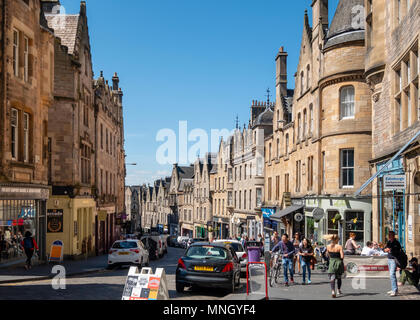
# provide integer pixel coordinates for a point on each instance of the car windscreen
(124, 245)
(206, 252)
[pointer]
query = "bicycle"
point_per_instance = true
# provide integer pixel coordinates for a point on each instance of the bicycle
(275, 269)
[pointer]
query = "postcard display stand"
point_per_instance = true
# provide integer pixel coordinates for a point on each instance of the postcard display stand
(146, 285)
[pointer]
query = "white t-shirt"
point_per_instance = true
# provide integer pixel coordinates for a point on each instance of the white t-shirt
(368, 251)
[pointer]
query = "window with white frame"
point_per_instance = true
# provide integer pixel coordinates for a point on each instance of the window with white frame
(347, 102)
(14, 123)
(26, 59)
(16, 53)
(347, 168)
(25, 137)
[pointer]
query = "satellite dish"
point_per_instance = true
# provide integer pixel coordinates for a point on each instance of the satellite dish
(318, 214)
(298, 217)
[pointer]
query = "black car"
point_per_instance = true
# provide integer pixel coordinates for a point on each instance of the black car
(194, 240)
(212, 265)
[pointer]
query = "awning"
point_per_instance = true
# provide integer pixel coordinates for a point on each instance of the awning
(286, 212)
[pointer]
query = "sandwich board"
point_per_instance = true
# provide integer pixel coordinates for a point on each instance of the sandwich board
(56, 252)
(146, 285)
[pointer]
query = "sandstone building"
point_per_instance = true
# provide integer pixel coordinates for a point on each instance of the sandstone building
(319, 153)
(392, 72)
(26, 93)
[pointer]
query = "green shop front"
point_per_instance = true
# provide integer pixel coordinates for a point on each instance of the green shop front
(338, 215)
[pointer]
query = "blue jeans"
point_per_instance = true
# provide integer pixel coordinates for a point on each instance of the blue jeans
(392, 265)
(287, 264)
(306, 266)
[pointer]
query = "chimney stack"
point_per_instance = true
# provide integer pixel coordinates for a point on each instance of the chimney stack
(281, 73)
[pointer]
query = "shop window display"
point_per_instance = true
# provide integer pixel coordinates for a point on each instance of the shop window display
(16, 217)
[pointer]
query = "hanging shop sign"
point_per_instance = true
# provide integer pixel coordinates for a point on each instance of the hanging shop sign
(298, 217)
(394, 182)
(410, 227)
(318, 214)
(54, 220)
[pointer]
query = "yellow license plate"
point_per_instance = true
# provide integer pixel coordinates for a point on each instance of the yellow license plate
(123, 253)
(197, 268)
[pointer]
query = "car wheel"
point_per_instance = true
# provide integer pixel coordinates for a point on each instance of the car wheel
(110, 267)
(179, 287)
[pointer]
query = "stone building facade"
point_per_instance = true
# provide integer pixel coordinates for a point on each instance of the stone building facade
(26, 93)
(219, 194)
(203, 214)
(109, 128)
(319, 152)
(392, 72)
(186, 208)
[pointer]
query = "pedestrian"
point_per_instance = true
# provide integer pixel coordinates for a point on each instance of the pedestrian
(393, 248)
(411, 277)
(351, 245)
(296, 258)
(286, 248)
(306, 252)
(336, 265)
(29, 245)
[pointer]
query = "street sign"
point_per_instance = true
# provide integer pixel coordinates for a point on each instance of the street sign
(145, 285)
(394, 182)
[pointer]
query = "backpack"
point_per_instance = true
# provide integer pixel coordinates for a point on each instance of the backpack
(28, 243)
(402, 260)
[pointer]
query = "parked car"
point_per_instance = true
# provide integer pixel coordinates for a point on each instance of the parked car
(211, 265)
(240, 251)
(130, 252)
(172, 241)
(182, 239)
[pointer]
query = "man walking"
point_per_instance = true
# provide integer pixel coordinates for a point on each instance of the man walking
(393, 248)
(287, 250)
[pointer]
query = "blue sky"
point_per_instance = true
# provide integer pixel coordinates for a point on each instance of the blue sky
(194, 60)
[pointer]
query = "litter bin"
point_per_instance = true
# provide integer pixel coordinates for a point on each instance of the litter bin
(254, 251)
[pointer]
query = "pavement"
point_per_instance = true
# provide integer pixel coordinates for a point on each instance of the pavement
(18, 273)
(319, 289)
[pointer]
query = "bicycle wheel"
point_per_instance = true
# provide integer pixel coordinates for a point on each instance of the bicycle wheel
(277, 274)
(272, 276)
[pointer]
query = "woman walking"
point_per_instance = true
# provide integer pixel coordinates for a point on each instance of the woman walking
(297, 257)
(306, 252)
(336, 267)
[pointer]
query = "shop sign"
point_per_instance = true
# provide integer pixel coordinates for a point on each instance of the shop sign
(145, 285)
(54, 220)
(27, 213)
(394, 182)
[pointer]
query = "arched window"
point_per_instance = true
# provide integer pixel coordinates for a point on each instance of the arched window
(286, 144)
(347, 102)
(278, 148)
(305, 119)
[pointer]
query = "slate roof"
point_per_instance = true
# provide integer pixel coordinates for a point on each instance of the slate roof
(185, 172)
(184, 182)
(65, 27)
(342, 28)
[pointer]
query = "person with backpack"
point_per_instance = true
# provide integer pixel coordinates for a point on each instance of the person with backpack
(395, 260)
(413, 277)
(29, 245)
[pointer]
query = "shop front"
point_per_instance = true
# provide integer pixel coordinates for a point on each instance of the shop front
(104, 221)
(239, 225)
(220, 227)
(341, 216)
(22, 209)
(79, 228)
(287, 219)
(187, 229)
(391, 203)
(200, 231)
